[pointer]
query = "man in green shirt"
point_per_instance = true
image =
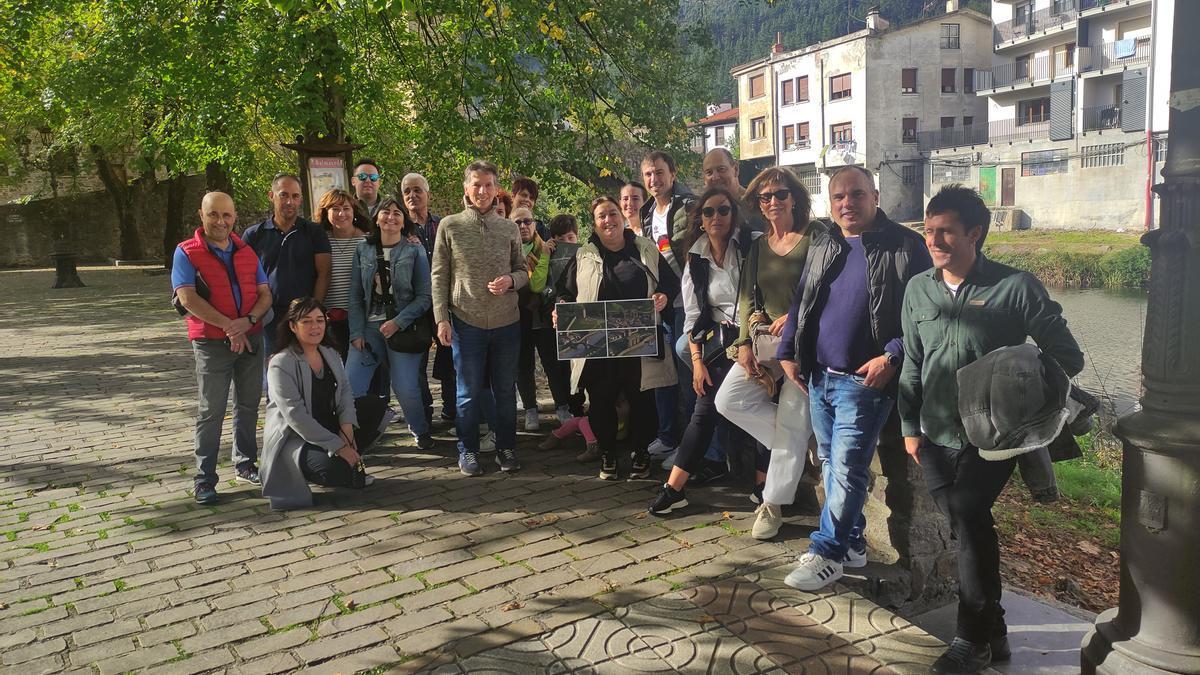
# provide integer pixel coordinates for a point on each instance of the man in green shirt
(962, 309)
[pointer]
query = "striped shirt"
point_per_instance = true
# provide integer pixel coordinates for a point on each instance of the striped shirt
(338, 295)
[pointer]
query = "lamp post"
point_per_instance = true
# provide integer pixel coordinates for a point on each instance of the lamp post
(1156, 626)
(52, 161)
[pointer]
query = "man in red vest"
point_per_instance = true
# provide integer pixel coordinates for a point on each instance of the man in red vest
(220, 282)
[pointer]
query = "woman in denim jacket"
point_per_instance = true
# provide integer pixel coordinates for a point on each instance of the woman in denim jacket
(384, 301)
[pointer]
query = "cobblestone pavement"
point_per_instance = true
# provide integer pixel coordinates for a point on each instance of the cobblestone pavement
(107, 565)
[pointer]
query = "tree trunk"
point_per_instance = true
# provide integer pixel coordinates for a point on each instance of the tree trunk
(173, 230)
(216, 178)
(117, 185)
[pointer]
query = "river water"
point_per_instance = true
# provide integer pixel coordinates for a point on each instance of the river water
(1108, 326)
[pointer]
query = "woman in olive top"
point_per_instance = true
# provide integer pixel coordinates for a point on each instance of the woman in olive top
(342, 220)
(773, 267)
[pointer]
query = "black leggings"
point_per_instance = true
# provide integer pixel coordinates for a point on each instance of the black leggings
(604, 380)
(699, 432)
(319, 468)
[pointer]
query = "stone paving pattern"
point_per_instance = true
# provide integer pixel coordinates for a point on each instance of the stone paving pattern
(107, 565)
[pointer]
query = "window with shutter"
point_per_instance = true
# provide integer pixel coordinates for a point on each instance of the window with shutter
(756, 86)
(802, 89)
(968, 80)
(908, 81)
(948, 80)
(787, 92)
(908, 126)
(839, 87)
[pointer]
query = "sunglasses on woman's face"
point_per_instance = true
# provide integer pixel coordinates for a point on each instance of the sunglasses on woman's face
(708, 211)
(524, 222)
(781, 195)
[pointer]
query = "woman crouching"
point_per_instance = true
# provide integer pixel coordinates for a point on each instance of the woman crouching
(309, 434)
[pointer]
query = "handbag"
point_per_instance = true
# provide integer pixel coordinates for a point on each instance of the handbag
(716, 341)
(764, 345)
(416, 338)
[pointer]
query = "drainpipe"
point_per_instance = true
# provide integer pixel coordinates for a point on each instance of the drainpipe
(1149, 218)
(821, 95)
(776, 49)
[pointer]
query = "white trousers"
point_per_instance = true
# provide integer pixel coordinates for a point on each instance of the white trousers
(784, 428)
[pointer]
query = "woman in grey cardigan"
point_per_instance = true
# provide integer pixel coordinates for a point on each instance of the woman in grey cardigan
(309, 434)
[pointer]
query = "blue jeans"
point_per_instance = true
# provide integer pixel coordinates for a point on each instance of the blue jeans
(847, 417)
(486, 355)
(666, 399)
(405, 371)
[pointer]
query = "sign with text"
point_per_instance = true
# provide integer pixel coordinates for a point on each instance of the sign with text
(607, 329)
(324, 174)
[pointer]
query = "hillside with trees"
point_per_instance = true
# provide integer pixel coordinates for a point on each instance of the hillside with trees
(732, 33)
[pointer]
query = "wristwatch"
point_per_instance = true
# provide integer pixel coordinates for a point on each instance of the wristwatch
(892, 359)
(251, 319)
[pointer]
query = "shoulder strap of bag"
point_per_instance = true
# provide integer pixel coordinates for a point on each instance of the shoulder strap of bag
(756, 301)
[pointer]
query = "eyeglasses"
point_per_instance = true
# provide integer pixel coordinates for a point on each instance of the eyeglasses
(781, 195)
(708, 211)
(524, 221)
(368, 176)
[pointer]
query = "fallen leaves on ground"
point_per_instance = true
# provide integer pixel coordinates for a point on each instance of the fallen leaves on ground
(1047, 558)
(511, 606)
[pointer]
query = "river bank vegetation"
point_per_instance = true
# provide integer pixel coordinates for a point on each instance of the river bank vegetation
(1074, 258)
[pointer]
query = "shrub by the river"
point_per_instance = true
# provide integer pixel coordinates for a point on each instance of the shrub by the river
(1125, 268)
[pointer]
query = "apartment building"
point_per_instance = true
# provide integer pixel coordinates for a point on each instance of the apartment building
(1077, 115)
(865, 99)
(718, 128)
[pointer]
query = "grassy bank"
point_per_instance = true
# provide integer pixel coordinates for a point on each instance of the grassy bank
(1079, 259)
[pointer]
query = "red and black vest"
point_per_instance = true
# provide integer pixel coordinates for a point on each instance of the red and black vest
(219, 281)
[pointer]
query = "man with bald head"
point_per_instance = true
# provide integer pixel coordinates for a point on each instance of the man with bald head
(720, 169)
(221, 284)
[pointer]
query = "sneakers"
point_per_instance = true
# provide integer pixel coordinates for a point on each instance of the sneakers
(667, 501)
(590, 454)
(640, 467)
(206, 494)
(608, 467)
(962, 658)
(756, 495)
(550, 442)
(468, 464)
(507, 459)
(710, 472)
(669, 462)
(532, 423)
(248, 474)
(659, 449)
(425, 442)
(768, 522)
(815, 572)
(855, 558)
(563, 413)
(487, 442)
(368, 480)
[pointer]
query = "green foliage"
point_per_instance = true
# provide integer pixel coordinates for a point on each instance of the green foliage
(567, 91)
(1125, 268)
(1128, 268)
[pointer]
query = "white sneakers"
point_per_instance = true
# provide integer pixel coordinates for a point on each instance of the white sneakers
(768, 522)
(855, 558)
(814, 572)
(532, 423)
(658, 449)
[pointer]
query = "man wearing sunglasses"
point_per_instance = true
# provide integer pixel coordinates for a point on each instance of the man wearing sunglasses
(365, 179)
(846, 353)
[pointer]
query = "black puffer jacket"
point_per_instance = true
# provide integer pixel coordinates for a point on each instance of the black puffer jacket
(895, 254)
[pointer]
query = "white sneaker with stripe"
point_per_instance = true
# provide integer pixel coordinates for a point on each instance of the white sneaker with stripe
(813, 573)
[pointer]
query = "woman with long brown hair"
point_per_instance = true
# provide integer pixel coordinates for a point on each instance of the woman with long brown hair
(344, 223)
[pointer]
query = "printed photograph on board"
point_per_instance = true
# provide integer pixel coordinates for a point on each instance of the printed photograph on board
(608, 329)
(576, 316)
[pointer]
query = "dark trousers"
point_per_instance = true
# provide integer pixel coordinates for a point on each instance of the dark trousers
(340, 330)
(443, 371)
(965, 486)
(319, 468)
(604, 380)
(544, 342)
(698, 435)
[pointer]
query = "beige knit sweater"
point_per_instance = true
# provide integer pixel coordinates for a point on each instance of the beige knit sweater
(470, 251)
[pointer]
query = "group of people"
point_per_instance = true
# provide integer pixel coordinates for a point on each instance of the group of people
(791, 333)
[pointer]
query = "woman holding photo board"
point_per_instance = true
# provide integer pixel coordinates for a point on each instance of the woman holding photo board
(615, 264)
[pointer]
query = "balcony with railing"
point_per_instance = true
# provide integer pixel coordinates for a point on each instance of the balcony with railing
(1101, 117)
(1086, 5)
(1002, 131)
(1025, 72)
(1119, 54)
(1029, 24)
